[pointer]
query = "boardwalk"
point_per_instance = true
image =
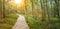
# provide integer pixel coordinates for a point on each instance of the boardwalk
(21, 23)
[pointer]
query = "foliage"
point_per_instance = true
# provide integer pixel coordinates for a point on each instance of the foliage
(40, 14)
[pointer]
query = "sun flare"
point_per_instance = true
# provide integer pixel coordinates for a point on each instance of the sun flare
(18, 1)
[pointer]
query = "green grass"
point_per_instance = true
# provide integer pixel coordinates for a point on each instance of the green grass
(38, 24)
(8, 22)
(33, 23)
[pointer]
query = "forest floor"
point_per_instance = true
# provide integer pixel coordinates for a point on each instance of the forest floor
(8, 22)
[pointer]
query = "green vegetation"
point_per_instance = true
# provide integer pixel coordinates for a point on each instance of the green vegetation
(39, 14)
(8, 22)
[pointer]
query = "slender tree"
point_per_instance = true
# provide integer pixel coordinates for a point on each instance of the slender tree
(3, 7)
(57, 9)
(43, 10)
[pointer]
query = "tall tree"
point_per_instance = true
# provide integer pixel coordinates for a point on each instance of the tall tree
(0, 8)
(57, 9)
(43, 10)
(3, 7)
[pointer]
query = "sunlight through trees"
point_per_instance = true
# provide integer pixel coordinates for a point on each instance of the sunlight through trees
(39, 14)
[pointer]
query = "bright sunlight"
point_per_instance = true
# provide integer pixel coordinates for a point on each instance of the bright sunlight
(18, 1)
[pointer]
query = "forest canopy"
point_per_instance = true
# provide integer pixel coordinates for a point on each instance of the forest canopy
(39, 14)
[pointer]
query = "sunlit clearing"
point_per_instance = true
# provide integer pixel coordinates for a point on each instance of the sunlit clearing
(18, 1)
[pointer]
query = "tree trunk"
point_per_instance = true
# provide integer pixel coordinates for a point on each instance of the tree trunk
(3, 7)
(43, 10)
(57, 9)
